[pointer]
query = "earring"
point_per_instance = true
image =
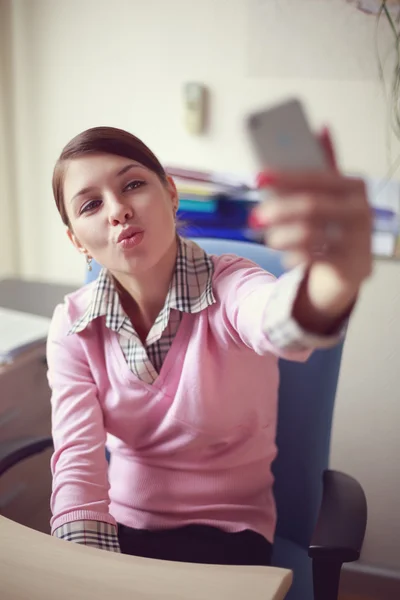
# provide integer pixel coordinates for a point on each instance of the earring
(89, 262)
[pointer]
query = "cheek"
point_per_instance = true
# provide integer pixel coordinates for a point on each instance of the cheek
(90, 234)
(159, 214)
(165, 224)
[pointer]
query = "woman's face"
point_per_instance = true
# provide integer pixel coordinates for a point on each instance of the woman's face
(121, 214)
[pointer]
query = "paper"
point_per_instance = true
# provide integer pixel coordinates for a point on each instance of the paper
(383, 244)
(384, 197)
(19, 331)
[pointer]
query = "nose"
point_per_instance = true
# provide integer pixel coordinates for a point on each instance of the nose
(119, 212)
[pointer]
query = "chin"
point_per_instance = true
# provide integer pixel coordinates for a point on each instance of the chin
(137, 265)
(144, 257)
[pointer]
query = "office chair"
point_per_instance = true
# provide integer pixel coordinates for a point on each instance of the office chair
(322, 514)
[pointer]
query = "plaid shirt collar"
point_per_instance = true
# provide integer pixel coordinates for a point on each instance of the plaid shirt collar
(190, 291)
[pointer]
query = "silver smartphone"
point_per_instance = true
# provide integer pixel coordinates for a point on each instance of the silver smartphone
(283, 139)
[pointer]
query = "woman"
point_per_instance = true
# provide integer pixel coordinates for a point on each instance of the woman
(172, 355)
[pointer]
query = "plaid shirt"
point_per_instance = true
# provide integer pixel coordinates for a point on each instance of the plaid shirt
(96, 534)
(190, 291)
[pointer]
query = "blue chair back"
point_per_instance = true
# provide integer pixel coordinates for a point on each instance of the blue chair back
(306, 400)
(94, 273)
(307, 394)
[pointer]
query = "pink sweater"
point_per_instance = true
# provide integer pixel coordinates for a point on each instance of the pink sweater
(197, 445)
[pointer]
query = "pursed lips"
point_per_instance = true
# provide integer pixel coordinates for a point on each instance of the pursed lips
(129, 232)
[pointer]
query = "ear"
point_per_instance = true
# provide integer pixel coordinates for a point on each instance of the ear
(174, 193)
(74, 240)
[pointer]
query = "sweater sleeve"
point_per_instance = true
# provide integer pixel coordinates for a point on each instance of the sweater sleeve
(258, 308)
(78, 464)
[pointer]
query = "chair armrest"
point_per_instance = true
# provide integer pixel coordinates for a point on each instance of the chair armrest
(342, 521)
(13, 451)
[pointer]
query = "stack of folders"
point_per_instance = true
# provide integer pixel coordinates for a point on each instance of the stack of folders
(19, 332)
(218, 205)
(213, 204)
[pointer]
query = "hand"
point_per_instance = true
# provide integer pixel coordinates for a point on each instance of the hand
(321, 219)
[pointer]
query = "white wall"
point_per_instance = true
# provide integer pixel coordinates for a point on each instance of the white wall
(81, 63)
(8, 209)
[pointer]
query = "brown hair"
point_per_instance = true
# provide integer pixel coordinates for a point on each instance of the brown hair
(107, 140)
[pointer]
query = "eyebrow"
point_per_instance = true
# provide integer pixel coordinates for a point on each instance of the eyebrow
(86, 190)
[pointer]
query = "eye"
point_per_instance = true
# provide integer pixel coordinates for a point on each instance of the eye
(133, 185)
(90, 206)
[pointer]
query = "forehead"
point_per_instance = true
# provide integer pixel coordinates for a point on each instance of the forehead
(92, 170)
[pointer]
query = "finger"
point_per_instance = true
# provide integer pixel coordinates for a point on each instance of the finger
(310, 208)
(352, 255)
(299, 237)
(291, 260)
(325, 139)
(290, 182)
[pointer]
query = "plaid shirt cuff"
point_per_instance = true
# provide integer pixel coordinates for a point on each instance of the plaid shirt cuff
(96, 534)
(282, 329)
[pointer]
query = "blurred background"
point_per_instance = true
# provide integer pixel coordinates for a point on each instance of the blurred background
(70, 65)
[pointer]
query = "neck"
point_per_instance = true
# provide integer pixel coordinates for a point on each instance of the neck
(143, 296)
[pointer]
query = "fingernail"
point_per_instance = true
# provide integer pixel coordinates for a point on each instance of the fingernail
(265, 179)
(255, 221)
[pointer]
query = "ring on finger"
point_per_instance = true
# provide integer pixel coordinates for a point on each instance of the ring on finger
(333, 233)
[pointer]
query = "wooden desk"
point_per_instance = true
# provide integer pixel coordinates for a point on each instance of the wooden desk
(36, 566)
